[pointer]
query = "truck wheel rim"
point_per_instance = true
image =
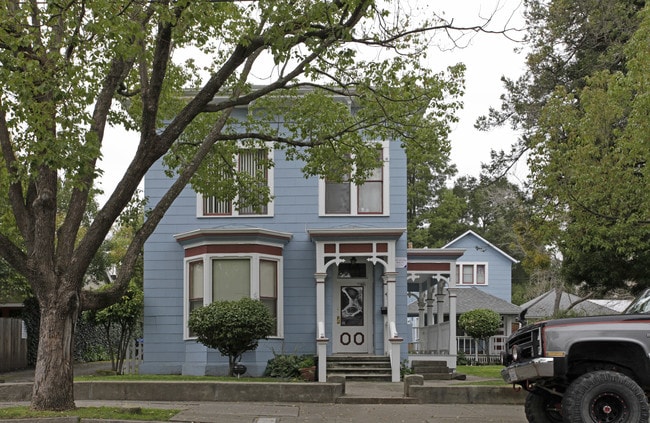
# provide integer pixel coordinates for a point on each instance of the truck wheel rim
(609, 407)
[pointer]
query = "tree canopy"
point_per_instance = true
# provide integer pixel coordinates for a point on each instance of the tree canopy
(582, 111)
(590, 164)
(68, 70)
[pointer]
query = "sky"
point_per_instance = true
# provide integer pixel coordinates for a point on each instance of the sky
(487, 57)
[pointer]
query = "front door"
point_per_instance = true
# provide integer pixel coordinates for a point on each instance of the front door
(353, 309)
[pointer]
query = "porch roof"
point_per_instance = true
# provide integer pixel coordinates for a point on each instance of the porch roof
(471, 298)
(348, 233)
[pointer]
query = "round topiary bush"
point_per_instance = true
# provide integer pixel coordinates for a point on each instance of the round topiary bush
(232, 327)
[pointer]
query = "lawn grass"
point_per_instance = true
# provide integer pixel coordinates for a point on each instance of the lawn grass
(489, 372)
(110, 413)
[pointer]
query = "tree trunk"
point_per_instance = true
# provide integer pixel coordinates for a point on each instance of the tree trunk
(558, 300)
(53, 377)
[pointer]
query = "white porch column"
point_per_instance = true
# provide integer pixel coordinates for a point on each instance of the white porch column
(389, 278)
(321, 339)
(453, 343)
(430, 320)
(440, 309)
(421, 311)
(394, 340)
(453, 282)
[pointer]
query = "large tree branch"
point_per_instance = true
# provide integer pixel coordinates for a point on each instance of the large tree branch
(152, 147)
(13, 255)
(152, 88)
(96, 299)
(21, 212)
(67, 233)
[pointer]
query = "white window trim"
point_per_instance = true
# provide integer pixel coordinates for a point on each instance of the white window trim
(474, 265)
(354, 192)
(254, 285)
(235, 212)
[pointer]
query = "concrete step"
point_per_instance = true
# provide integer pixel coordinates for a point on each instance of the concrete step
(351, 365)
(376, 400)
(364, 377)
(432, 370)
(429, 364)
(360, 368)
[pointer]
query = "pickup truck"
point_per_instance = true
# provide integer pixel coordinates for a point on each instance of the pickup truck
(584, 369)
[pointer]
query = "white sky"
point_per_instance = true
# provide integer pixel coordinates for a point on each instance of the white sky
(487, 58)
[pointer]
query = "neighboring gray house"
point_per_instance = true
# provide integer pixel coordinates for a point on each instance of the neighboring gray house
(542, 307)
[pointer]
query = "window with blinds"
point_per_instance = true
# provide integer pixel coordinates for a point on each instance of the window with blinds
(252, 163)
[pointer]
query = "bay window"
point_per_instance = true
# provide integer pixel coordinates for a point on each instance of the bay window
(230, 278)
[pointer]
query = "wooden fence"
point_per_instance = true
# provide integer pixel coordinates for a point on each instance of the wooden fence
(133, 359)
(13, 345)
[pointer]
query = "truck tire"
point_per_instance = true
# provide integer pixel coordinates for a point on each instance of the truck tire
(604, 396)
(543, 408)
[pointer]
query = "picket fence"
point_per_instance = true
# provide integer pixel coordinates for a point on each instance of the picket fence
(133, 358)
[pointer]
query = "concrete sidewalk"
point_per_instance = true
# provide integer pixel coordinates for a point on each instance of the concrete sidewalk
(239, 412)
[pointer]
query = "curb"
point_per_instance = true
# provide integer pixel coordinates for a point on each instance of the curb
(327, 392)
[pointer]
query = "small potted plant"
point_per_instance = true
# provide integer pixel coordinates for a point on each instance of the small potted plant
(307, 368)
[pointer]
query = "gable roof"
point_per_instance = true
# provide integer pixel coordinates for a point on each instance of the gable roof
(543, 305)
(488, 243)
(471, 298)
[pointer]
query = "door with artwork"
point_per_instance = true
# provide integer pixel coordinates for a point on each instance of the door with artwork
(353, 309)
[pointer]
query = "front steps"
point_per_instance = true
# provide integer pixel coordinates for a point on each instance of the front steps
(432, 370)
(371, 368)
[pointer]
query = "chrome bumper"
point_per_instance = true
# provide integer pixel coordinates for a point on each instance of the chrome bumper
(530, 370)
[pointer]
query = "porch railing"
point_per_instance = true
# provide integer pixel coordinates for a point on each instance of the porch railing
(435, 340)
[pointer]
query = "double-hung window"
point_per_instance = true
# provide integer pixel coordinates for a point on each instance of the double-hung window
(472, 274)
(345, 198)
(252, 164)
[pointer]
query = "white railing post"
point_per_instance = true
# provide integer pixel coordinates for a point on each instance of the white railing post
(321, 346)
(395, 342)
(321, 339)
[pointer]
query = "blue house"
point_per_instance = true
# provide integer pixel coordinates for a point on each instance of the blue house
(483, 265)
(478, 275)
(328, 259)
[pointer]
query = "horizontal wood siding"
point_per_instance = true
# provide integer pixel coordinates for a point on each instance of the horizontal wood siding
(499, 267)
(295, 211)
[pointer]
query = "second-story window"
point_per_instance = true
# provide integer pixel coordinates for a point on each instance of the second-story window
(346, 198)
(252, 166)
(472, 274)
